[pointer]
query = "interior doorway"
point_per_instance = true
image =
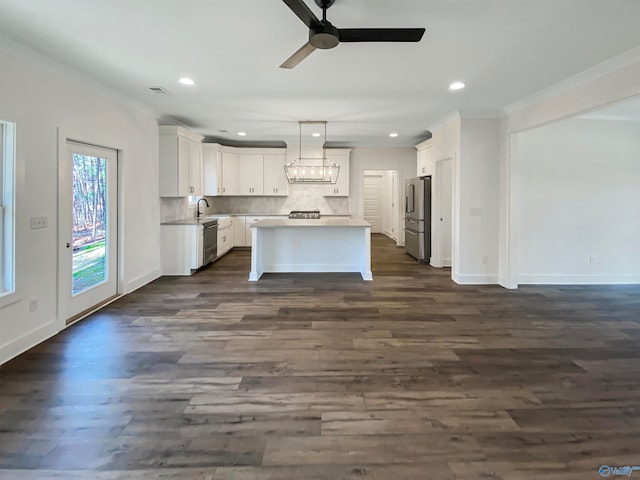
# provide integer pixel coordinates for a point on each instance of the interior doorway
(380, 202)
(87, 213)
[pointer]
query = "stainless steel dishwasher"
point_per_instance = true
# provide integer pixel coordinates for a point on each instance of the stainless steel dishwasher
(209, 241)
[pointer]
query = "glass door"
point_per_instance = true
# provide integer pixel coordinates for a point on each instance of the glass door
(88, 222)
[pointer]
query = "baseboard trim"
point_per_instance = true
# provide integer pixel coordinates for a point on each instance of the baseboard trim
(27, 341)
(141, 281)
(474, 279)
(578, 279)
(90, 310)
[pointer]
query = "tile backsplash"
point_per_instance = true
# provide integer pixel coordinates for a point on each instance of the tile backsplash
(301, 197)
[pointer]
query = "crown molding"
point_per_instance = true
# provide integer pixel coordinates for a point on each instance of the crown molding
(611, 65)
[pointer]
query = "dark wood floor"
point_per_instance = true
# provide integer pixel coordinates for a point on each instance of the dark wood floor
(324, 376)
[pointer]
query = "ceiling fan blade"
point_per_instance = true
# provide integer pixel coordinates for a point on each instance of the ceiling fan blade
(302, 53)
(381, 34)
(304, 13)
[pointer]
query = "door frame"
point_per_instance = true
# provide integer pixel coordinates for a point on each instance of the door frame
(380, 174)
(395, 196)
(89, 139)
(437, 233)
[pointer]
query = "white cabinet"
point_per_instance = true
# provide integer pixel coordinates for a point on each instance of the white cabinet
(250, 174)
(243, 171)
(229, 174)
(341, 187)
(275, 180)
(211, 170)
(425, 159)
(181, 248)
(238, 228)
(242, 231)
(225, 236)
(180, 162)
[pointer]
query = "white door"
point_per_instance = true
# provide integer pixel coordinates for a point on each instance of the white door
(372, 197)
(444, 176)
(87, 267)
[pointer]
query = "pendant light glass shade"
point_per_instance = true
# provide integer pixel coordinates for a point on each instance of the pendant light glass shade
(310, 168)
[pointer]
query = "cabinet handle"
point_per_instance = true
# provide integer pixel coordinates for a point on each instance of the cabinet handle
(224, 189)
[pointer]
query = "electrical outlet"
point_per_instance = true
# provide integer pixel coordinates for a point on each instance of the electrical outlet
(485, 260)
(39, 222)
(33, 304)
(592, 259)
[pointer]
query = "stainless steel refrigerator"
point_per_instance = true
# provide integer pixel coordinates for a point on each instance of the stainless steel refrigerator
(417, 218)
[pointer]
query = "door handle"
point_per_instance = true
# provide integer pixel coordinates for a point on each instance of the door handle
(68, 245)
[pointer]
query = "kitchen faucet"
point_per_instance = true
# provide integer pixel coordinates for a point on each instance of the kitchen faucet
(198, 207)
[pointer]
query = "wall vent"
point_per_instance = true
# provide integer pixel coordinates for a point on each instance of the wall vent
(161, 90)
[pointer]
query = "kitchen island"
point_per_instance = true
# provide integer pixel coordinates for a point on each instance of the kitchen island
(318, 245)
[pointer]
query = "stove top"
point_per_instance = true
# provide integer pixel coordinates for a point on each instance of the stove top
(305, 214)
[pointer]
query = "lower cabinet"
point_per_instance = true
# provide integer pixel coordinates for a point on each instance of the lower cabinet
(242, 231)
(239, 232)
(181, 248)
(225, 236)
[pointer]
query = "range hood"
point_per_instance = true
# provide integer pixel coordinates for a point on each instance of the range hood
(312, 165)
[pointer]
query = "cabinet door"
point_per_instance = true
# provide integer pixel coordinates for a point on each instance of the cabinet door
(211, 171)
(251, 173)
(195, 168)
(238, 231)
(422, 166)
(275, 180)
(229, 178)
(184, 188)
(224, 240)
(341, 187)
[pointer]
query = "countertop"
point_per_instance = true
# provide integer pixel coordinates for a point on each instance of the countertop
(208, 218)
(320, 222)
(195, 221)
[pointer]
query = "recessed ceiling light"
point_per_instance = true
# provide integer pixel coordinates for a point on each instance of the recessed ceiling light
(457, 86)
(315, 134)
(186, 81)
(393, 135)
(242, 134)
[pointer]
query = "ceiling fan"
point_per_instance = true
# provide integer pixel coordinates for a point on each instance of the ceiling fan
(322, 34)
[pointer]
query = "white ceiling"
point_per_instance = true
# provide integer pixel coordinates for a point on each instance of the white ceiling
(503, 49)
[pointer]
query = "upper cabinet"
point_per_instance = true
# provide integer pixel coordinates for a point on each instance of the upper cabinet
(180, 162)
(251, 179)
(275, 180)
(230, 173)
(219, 170)
(243, 171)
(339, 156)
(425, 158)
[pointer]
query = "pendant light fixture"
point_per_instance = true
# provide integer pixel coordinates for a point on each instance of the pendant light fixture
(312, 164)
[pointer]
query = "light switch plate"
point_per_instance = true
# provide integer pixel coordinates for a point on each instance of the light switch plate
(39, 222)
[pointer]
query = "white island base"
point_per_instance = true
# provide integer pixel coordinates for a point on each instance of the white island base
(321, 245)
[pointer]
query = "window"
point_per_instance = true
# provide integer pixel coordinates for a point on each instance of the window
(7, 208)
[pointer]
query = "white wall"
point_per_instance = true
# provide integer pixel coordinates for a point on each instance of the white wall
(41, 99)
(608, 83)
(579, 189)
(476, 187)
(402, 159)
(378, 158)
